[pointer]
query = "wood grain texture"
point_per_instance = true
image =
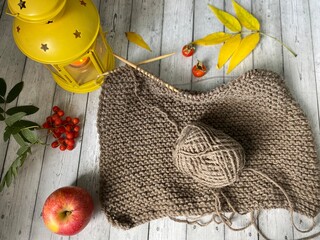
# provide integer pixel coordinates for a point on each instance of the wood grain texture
(314, 9)
(17, 202)
(276, 224)
(88, 170)
(59, 169)
(299, 72)
(12, 63)
(150, 30)
(176, 32)
(166, 26)
(205, 23)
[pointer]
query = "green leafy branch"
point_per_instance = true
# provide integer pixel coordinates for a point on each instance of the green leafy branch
(20, 129)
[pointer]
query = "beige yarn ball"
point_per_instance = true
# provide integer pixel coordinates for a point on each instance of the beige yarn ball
(208, 155)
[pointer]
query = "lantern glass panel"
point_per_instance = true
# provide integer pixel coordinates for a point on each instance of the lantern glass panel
(82, 70)
(53, 70)
(101, 51)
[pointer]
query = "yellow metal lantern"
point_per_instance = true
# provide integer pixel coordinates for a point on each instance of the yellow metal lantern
(66, 36)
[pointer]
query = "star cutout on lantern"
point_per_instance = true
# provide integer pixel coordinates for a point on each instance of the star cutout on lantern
(77, 34)
(18, 29)
(83, 3)
(22, 4)
(44, 47)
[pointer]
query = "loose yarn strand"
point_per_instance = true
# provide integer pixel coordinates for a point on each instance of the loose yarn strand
(291, 210)
(228, 220)
(217, 213)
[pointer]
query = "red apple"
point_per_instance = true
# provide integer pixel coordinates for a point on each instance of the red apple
(68, 210)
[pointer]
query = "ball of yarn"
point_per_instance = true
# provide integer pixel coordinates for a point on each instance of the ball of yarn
(208, 155)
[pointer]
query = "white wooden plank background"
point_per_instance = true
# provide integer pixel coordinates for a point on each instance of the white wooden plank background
(166, 25)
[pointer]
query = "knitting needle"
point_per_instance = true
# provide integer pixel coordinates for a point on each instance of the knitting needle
(156, 58)
(136, 65)
(143, 62)
(122, 60)
(125, 61)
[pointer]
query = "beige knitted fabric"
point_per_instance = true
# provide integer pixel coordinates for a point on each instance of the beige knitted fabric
(138, 179)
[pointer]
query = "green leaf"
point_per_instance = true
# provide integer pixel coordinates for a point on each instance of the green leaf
(15, 129)
(3, 87)
(19, 139)
(14, 92)
(2, 99)
(14, 171)
(25, 124)
(8, 177)
(1, 117)
(24, 139)
(14, 118)
(7, 133)
(22, 150)
(1, 110)
(23, 157)
(17, 163)
(28, 109)
(29, 135)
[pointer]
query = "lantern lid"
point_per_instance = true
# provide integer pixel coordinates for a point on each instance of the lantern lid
(36, 11)
(63, 39)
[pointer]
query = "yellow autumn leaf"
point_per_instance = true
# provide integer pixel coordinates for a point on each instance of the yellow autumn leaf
(245, 48)
(227, 49)
(227, 19)
(213, 38)
(246, 19)
(137, 39)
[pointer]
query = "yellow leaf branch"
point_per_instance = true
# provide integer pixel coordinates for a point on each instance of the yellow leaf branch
(235, 48)
(213, 39)
(227, 49)
(246, 19)
(244, 49)
(286, 46)
(226, 19)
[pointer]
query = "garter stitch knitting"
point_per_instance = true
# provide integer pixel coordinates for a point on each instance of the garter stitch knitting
(138, 179)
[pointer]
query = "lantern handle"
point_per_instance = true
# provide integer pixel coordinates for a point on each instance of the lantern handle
(10, 14)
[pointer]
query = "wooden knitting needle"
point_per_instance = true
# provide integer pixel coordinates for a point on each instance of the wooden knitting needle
(150, 60)
(136, 65)
(156, 58)
(122, 60)
(125, 61)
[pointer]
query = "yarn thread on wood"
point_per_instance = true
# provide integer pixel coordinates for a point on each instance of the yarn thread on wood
(208, 155)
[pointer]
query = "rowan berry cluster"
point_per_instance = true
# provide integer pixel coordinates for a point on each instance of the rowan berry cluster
(65, 131)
